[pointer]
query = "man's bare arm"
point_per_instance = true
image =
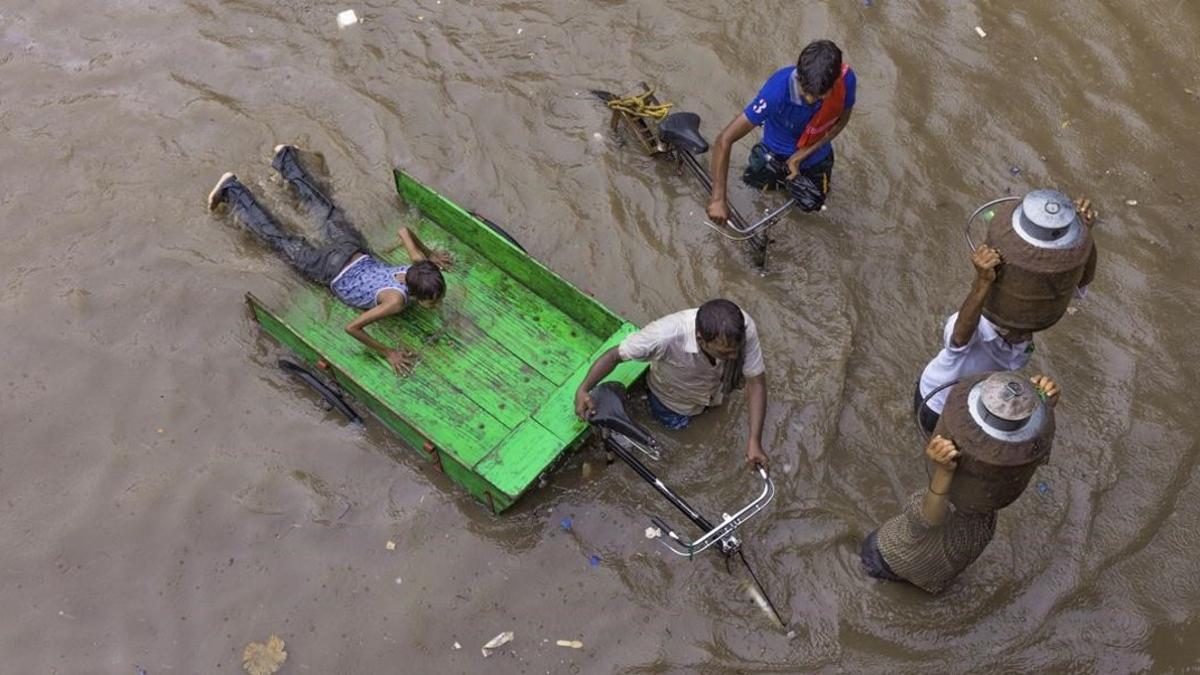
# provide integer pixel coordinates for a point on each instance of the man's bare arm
(738, 127)
(756, 410)
(802, 154)
(936, 502)
(600, 369)
(985, 259)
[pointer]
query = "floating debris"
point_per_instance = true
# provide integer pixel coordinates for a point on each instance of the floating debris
(263, 659)
(1042, 488)
(1014, 170)
(653, 533)
(346, 18)
(390, 545)
(496, 642)
(573, 644)
(594, 560)
(456, 645)
(566, 523)
(1131, 202)
(761, 600)
(980, 32)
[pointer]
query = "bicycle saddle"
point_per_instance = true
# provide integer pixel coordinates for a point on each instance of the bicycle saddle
(608, 398)
(682, 129)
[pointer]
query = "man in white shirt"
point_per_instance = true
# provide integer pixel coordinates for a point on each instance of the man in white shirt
(696, 356)
(971, 344)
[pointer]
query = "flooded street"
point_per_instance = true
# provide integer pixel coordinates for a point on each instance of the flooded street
(168, 495)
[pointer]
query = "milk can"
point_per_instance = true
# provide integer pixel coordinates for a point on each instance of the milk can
(1003, 430)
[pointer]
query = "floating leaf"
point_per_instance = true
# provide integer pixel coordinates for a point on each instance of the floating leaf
(263, 659)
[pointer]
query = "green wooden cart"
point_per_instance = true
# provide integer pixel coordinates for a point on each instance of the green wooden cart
(491, 400)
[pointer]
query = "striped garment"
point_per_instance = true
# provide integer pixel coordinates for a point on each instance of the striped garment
(930, 557)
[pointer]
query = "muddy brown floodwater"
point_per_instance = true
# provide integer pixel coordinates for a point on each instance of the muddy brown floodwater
(168, 495)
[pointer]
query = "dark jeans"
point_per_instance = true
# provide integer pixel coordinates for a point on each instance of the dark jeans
(765, 170)
(320, 264)
(872, 559)
(665, 416)
(926, 417)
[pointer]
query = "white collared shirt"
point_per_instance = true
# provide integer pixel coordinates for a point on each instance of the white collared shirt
(986, 351)
(681, 376)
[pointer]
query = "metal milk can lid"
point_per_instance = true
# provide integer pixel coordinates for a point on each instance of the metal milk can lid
(1047, 219)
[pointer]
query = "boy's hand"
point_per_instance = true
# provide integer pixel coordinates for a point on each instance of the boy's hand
(941, 451)
(443, 259)
(1046, 388)
(584, 407)
(1083, 206)
(986, 259)
(402, 361)
(718, 211)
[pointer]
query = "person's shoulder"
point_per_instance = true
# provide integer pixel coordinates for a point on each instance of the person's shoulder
(777, 83)
(851, 78)
(677, 323)
(751, 326)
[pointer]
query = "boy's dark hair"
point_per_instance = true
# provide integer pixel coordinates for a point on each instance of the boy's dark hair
(721, 318)
(425, 281)
(819, 66)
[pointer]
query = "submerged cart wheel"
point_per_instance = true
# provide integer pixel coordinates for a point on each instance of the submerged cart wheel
(500, 231)
(331, 397)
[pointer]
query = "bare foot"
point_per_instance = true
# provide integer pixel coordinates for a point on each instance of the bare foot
(218, 192)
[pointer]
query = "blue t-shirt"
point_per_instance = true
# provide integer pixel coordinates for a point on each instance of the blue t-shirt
(781, 111)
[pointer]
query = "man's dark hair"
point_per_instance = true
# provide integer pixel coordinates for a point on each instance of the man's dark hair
(819, 66)
(425, 281)
(721, 318)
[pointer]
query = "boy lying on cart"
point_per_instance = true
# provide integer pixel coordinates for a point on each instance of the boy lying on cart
(345, 262)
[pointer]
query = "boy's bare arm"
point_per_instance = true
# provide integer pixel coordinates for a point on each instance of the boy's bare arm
(400, 360)
(718, 211)
(418, 251)
(985, 259)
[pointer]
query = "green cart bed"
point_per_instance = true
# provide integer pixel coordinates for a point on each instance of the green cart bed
(491, 400)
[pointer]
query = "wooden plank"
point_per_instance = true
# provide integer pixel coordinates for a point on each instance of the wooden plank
(528, 325)
(557, 413)
(515, 262)
(454, 423)
(519, 459)
(473, 365)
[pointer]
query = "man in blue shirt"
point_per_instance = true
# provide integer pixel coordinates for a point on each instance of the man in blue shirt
(801, 109)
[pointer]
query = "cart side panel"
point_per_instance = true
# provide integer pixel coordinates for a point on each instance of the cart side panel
(477, 485)
(428, 404)
(537, 277)
(514, 466)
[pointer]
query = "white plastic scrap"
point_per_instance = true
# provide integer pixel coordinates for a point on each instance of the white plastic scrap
(496, 642)
(347, 18)
(653, 533)
(980, 31)
(573, 644)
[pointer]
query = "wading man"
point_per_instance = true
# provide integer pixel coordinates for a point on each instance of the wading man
(801, 109)
(932, 540)
(696, 356)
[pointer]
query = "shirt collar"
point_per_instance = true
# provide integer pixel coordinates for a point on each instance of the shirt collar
(988, 333)
(794, 88)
